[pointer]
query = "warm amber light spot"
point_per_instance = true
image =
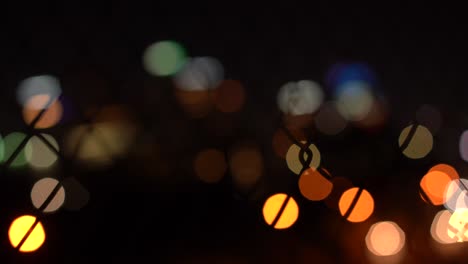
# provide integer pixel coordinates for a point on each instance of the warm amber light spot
(314, 186)
(440, 228)
(229, 97)
(340, 185)
(363, 208)
(51, 116)
(246, 164)
(272, 209)
(435, 182)
(20, 227)
(385, 239)
(458, 225)
(210, 165)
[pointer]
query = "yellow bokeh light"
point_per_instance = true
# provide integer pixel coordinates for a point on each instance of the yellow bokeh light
(385, 239)
(292, 158)
(458, 225)
(272, 209)
(363, 208)
(19, 229)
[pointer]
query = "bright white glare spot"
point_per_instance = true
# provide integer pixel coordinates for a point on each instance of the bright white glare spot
(299, 98)
(41, 156)
(354, 100)
(38, 85)
(458, 225)
(455, 196)
(200, 73)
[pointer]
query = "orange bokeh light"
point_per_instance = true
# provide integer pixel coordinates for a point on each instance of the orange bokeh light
(272, 211)
(363, 208)
(229, 96)
(314, 186)
(210, 165)
(385, 239)
(34, 106)
(436, 181)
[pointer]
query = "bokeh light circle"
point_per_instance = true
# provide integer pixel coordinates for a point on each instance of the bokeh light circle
(415, 141)
(363, 208)
(293, 161)
(19, 229)
(354, 100)
(314, 186)
(440, 227)
(38, 85)
(299, 98)
(435, 182)
(385, 239)
(284, 218)
(41, 156)
(200, 74)
(210, 165)
(44, 188)
(458, 225)
(52, 115)
(164, 58)
(11, 142)
(328, 120)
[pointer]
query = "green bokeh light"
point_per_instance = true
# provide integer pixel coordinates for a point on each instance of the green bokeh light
(164, 58)
(10, 143)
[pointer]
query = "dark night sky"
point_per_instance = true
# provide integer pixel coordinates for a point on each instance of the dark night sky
(419, 57)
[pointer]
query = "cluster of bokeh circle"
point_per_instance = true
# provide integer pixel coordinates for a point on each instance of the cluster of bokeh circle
(200, 87)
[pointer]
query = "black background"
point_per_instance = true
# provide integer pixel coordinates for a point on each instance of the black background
(137, 215)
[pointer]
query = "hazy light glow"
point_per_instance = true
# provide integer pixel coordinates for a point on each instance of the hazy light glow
(385, 239)
(52, 115)
(210, 165)
(293, 161)
(12, 142)
(41, 191)
(164, 58)
(41, 156)
(440, 227)
(246, 164)
(77, 195)
(196, 104)
(281, 141)
(328, 120)
(341, 73)
(229, 97)
(38, 85)
(299, 98)
(463, 146)
(18, 230)
(354, 100)
(314, 186)
(420, 144)
(362, 210)
(199, 74)
(272, 208)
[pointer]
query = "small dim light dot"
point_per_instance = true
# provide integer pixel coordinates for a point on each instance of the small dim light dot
(292, 158)
(246, 164)
(18, 230)
(272, 208)
(210, 165)
(229, 97)
(362, 210)
(385, 239)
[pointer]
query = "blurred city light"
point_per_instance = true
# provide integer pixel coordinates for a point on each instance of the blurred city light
(415, 141)
(440, 228)
(200, 74)
(13, 141)
(52, 115)
(164, 58)
(328, 120)
(356, 204)
(210, 165)
(280, 211)
(246, 165)
(300, 98)
(314, 186)
(385, 239)
(436, 181)
(48, 195)
(27, 233)
(229, 97)
(45, 85)
(41, 156)
(458, 225)
(293, 161)
(354, 100)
